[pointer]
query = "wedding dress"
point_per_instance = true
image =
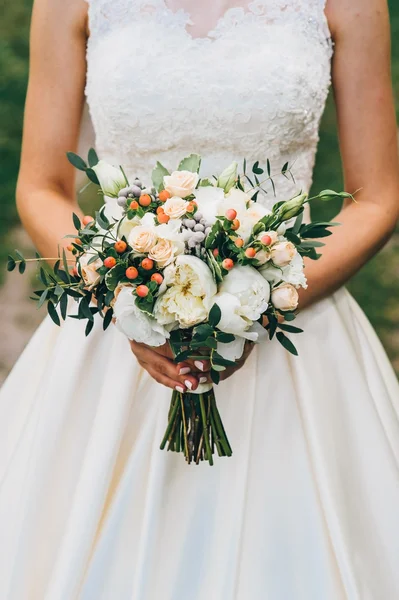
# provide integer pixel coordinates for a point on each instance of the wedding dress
(307, 508)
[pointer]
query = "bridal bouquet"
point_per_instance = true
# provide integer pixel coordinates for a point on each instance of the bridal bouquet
(192, 262)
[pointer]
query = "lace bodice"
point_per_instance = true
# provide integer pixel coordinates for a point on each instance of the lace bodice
(254, 87)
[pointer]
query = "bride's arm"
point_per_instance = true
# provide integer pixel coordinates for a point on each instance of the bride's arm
(368, 140)
(45, 190)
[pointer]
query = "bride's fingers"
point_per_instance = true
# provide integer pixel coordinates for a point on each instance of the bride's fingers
(158, 363)
(163, 379)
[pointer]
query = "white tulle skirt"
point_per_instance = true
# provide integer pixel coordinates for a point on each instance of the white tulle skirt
(307, 508)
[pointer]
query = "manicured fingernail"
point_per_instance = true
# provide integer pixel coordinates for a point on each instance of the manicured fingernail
(178, 388)
(188, 384)
(199, 365)
(203, 380)
(184, 370)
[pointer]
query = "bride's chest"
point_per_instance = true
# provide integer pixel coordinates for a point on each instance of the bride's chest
(248, 75)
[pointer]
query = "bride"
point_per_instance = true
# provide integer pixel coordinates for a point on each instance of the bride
(307, 507)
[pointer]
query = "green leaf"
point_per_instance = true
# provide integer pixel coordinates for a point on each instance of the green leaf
(108, 318)
(286, 343)
(289, 316)
(202, 332)
(210, 342)
(102, 219)
(298, 223)
(215, 315)
(269, 170)
(42, 298)
(53, 313)
(64, 306)
(256, 169)
(89, 327)
(218, 359)
(312, 244)
(205, 182)
(92, 157)
(215, 376)
(157, 176)
(114, 276)
(284, 169)
(76, 221)
(43, 277)
(76, 161)
(190, 163)
(218, 367)
(84, 310)
(19, 255)
(291, 237)
(92, 176)
(10, 263)
(316, 232)
(213, 234)
(225, 338)
(290, 328)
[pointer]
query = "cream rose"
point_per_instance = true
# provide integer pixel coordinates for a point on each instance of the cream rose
(89, 271)
(181, 183)
(283, 253)
(163, 253)
(285, 297)
(175, 207)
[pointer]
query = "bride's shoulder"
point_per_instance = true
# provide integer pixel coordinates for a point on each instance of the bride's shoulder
(356, 16)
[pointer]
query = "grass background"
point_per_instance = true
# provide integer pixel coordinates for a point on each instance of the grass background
(376, 286)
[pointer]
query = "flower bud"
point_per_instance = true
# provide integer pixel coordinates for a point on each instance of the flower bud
(111, 178)
(285, 297)
(292, 208)
(228, 177)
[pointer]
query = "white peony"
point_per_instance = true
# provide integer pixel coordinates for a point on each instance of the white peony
(175, 207)
(251, 289)
(285, 297)
(190, 289)
(208, 199)
(111, 178)
(181, 183)
(126, 225)
(236, 199)
(283, 253)
(134, 323)
(89, 271)
(293, 273)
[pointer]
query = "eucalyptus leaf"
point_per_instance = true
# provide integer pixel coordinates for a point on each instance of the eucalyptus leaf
(286, 343)
(157, 175)
(215, 315)
(108, 318)
(190, 163)
(53, 313)
(10, 263)
(76, 161)
(92, 158)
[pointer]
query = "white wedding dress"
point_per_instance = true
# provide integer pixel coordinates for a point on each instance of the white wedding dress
(307, 508)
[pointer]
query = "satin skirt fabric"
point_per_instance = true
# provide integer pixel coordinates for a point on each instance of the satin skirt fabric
(307, 508)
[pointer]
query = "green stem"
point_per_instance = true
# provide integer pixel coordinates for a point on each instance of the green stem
(208, 454)
(170, 425)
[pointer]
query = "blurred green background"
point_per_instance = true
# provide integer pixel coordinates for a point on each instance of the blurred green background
(376, 287)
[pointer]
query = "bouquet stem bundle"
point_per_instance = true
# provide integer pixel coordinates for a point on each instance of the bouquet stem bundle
(195, 427)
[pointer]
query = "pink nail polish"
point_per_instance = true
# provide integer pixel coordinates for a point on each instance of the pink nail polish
(180, 389)
(203, 380)
(199, 365)
(184, 371)
(189, 385)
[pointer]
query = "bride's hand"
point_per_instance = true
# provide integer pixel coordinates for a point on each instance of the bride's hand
(158, 362)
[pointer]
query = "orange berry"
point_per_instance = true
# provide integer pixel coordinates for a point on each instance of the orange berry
(109, 262)
(235, 224)
(164, 195)
(266, 240)
(145, 200)
(162, 218)
(231, 214)
(142, 291)
(215, 252)
(120, 246)
(78, 241)
(157, 277)
(227, 264)
(239, 242)
(191, 207)
(134, 205)
(75, 272)
(70, 248)
(160, 210)
(147, 264)
(250, 252)
(132, 273)
(87, 220)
